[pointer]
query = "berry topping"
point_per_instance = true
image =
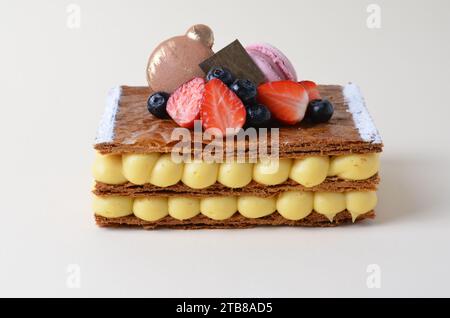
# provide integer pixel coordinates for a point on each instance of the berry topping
(245, 90)
(311, 88)
(222, 74)
(221, 108)
(287, 100)
(156, 105)
(319, 111)
(258, 115)
(184, 104)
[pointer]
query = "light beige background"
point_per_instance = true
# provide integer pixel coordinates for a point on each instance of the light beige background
(53, 80)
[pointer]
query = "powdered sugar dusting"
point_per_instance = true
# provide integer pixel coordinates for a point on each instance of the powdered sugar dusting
(361, 117)
(105, 132)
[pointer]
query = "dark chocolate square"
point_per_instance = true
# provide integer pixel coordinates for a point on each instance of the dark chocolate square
(235, 58)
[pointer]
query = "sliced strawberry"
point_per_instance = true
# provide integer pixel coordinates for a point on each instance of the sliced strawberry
(311, 88)
(221, 108)
(184, 104)
(287, 100)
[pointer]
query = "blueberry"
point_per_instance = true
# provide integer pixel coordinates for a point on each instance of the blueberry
(244, 89)
(258, 115)
(156, 105)
(319, 110)
(220, 73)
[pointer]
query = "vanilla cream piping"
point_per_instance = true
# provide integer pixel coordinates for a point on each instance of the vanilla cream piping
(309, 171)
(182, 208)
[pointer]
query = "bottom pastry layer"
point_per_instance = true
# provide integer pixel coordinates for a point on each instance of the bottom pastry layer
(237, 221)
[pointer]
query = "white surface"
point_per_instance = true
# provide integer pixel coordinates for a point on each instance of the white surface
(361, 116)
(105, 131)
(54, 82)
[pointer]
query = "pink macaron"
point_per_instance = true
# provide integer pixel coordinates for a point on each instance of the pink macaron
(272, 62)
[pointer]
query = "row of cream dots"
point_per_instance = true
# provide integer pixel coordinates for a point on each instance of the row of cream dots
(160, 170)
(292, 205)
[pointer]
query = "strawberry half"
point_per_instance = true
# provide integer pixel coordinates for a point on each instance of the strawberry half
(311, 88)
(287, 100)
(221, 108)
(184, 104)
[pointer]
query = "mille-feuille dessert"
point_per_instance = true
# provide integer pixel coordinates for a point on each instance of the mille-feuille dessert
(314, 162)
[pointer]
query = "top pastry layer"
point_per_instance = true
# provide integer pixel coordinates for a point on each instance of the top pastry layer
(127, 127)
